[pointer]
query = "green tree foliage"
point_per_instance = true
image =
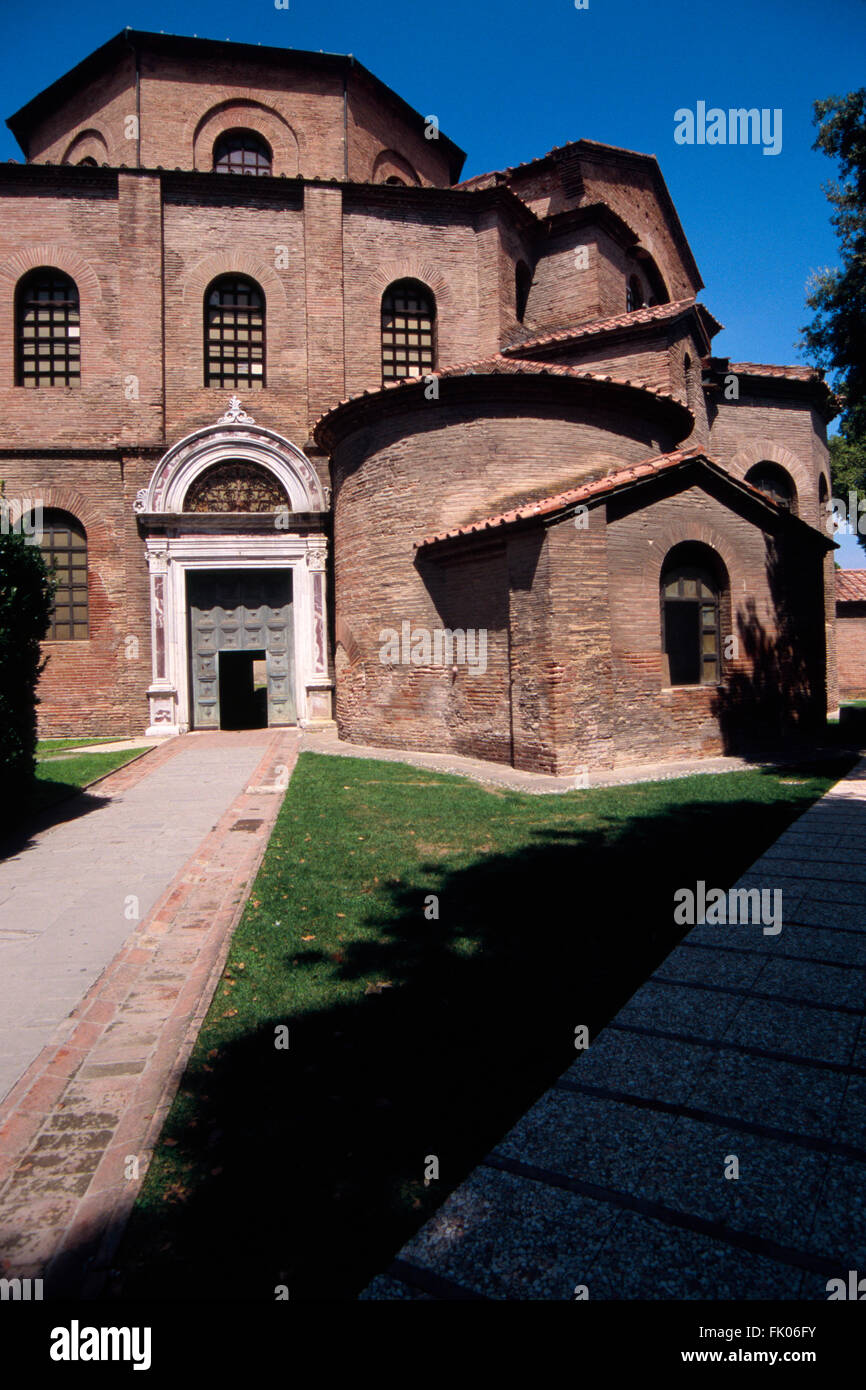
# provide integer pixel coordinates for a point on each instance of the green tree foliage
(26, 591)
(836, 337)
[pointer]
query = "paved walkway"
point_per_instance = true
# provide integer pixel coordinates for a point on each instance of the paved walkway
(72, 893)
(743, 1045)
(183, 831)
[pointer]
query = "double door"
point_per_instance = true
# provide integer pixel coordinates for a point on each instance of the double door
(245, 616)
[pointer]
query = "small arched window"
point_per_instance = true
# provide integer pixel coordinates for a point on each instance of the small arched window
(395, 179)
(522, 286)
(823, 489)
(88, 160)
(242, 152)
(234, 333)
(690, 612)
(634, 298)
(776, 483)
(64, 545)
(48, 330)
(408, 321)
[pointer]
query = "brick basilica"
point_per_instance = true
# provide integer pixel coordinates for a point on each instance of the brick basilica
(274, 382)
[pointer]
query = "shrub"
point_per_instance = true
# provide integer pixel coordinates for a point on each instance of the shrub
(26, 592)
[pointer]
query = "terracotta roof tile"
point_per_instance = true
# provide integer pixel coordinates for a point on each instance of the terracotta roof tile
(498, 365)
(547, 506)
(651, 314)
(851, 586)
(768, 369)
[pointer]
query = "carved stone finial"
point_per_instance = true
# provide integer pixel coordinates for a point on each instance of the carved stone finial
(235, 415)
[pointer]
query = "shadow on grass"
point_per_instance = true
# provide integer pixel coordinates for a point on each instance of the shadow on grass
(306, 1167)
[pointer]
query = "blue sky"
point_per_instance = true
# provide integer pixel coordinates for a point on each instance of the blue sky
(509, 79)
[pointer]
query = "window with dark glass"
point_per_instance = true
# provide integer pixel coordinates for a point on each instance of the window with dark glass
(775, 483)
(408, 315)
(522, 286)
(690, 625)
(242, 152)
(48, 330)
(633, 295)
(234, 334)
(64, 546)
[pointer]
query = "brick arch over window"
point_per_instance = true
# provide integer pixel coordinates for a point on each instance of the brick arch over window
(701, 533)
(55, 257)
(389, 165)
(244, 113)
(58, 258)
(212, 267)
(88, 144)
(765, 451)
(65, 499)
(413, 268)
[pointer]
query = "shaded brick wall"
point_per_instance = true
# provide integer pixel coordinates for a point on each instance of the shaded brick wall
(561, 293)
(779, 657)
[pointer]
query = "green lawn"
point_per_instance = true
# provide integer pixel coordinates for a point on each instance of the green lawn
(59, 778)
(411, 1036)
(47, 746)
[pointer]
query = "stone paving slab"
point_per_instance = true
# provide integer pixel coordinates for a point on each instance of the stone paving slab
(742, 1044)
(77, 887)
(98, 1093)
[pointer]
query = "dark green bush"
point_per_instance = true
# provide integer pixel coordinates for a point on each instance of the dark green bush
(26, 591)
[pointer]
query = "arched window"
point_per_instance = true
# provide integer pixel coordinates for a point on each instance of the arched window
(89, 160)
(242, 152)
(775, 483)
(522, 286)
(234, 333)
(823, 489)
(64, 546)
(634, 295)
(395, 179)
(48, 330)
(408, 318)
(691, 590)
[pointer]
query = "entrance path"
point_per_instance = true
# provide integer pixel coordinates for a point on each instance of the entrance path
(175, 838)
(743, 1046)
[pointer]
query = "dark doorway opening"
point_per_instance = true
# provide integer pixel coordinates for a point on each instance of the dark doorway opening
(243, 692)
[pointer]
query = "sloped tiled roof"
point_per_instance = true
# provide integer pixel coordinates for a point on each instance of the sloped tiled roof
(655, 313)
(767, 369)
(498, 365)
(851, 586)
(548, 506)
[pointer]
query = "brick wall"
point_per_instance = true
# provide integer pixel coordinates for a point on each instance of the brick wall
(410, 475)
(851, 650)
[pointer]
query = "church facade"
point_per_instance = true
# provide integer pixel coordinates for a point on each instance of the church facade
(310, 430)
